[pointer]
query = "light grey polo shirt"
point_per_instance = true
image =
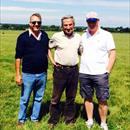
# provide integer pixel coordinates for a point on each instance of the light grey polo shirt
(66, 48)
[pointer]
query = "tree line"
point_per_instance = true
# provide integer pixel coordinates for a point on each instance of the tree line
(57, 28)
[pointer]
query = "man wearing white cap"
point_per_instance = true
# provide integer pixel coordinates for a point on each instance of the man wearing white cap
(97, 61)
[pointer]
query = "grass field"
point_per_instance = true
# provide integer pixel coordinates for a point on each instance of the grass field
(119, 102)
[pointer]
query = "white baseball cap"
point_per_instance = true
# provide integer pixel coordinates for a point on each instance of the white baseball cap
(92, 17)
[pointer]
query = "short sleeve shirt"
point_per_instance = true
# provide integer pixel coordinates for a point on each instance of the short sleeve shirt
(66, 48)
(94, 59)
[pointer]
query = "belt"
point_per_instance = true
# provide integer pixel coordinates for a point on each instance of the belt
(66, 66)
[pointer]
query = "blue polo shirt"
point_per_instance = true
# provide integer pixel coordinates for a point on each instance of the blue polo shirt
(33, 52)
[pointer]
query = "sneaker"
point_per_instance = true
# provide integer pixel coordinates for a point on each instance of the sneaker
(89, 123)
(104, 126)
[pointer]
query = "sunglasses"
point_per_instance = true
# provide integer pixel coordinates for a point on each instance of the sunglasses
(38, 22)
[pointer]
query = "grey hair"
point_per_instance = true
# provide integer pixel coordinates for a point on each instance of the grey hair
(37, 15)
(67, 17)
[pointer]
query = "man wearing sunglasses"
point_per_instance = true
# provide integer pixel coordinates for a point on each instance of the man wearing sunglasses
(97, 61)
(31, 52)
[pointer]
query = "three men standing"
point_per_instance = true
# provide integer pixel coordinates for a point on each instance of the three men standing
(97, 60)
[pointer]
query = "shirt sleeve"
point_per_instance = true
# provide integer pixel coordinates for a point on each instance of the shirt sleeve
(19, 48)
(52, 42)
(110, 42)
(80, 49)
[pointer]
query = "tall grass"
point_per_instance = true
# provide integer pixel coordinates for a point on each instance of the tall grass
(119, 102)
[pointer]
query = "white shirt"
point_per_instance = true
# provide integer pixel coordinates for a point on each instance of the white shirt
(31, 33)
(66, 48)
(94, 58)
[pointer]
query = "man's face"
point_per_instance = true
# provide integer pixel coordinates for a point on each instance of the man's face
(68, 26)
(93, 26)
(35, 23)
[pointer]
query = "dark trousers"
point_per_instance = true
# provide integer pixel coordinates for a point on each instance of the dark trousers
(64, 78)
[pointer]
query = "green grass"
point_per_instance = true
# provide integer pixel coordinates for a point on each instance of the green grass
(119, 102)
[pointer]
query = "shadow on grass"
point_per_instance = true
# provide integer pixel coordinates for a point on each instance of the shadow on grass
(44, 110)
(80, 111)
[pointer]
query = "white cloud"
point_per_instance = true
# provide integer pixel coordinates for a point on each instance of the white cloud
(24, 19)
(100, 3)
(18, 8)
(15, 18)
(56, 9)
(115, 21)
(110, 4)
(110, 21)
(40, 1)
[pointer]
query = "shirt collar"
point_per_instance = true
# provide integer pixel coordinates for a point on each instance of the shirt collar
(97, 32)
(31, 33)
(63, 34)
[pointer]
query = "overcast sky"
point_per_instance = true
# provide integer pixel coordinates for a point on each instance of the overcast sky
(112, 13)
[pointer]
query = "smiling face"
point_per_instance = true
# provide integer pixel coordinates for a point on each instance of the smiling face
(68, 26)
(35, 23)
